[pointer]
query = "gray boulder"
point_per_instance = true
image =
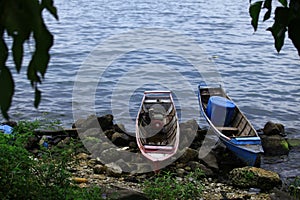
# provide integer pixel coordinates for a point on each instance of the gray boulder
(188, 155)
(252, 177)
(120, 139)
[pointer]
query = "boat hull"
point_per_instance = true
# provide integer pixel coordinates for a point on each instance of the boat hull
(247, 148)
(157, 126)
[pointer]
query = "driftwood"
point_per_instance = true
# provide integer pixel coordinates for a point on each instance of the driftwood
(72, 132)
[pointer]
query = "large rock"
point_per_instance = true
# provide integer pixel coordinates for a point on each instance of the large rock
(274, 145)
(126, 194)
(104, 122)
(194, 165)
(188, 132)
(271, 128)
(252, 177)
(210, 160)
(114, 170)
(188, 155)
(120, 139)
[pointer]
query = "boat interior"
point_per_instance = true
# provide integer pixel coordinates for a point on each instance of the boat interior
(238, 124)
(157, 122)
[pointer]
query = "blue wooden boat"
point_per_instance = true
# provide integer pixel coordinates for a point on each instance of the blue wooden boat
(230, 124)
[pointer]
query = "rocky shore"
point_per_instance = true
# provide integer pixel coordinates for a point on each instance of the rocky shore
(104, 161)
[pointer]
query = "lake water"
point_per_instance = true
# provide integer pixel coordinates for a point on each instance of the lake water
(125, 47)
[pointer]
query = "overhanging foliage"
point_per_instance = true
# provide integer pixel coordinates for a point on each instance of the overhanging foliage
(286, 19)
(22, 20)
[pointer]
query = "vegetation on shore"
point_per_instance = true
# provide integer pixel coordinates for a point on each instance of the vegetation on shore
(165, 186)
(43, 175)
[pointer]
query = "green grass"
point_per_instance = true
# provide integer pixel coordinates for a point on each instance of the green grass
(166, 186)
(23, 176)
(294, 188)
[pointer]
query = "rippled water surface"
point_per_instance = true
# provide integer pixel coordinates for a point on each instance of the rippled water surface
(264, 84)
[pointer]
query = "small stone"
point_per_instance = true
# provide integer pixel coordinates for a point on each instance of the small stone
(99, 169)
(113, 170)
(188, 168)
(82, 156)
(180, 172)
(99, 176)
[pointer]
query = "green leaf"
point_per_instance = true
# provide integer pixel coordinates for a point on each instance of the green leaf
(282, 16)
(37, 97)
(283, 2)
(44, 42)
(17, 50)
(32, 74)
(280, 26)
(278, 32)
(48, 4)
(6, 90)
(3, 50)
(294, 32)
(267, 15)
(268, 6)
(254, 11)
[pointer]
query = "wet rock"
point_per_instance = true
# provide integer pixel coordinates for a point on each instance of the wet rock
(114, 170)
(109, 133)
(271, 128)
(194, 165)
(119, 128)
(98, 148)
(275, 145)
(125, 167)
(252, 177)
(32, 143)
(188, 132)
(280, 195)
(90, 142)
(64, 143)
(188, 155)
(128, 194)
(10, 123)
(120, 139)
(210, 160)
(90, 122)
(109, 155)
(132, 145)
(106, 122)
(92, 132)
(99, 169)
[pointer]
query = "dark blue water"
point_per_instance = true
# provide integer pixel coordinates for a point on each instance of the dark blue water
(125, 47)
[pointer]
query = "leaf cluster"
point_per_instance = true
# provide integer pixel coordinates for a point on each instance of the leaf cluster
(22, 20)
(286, 19)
